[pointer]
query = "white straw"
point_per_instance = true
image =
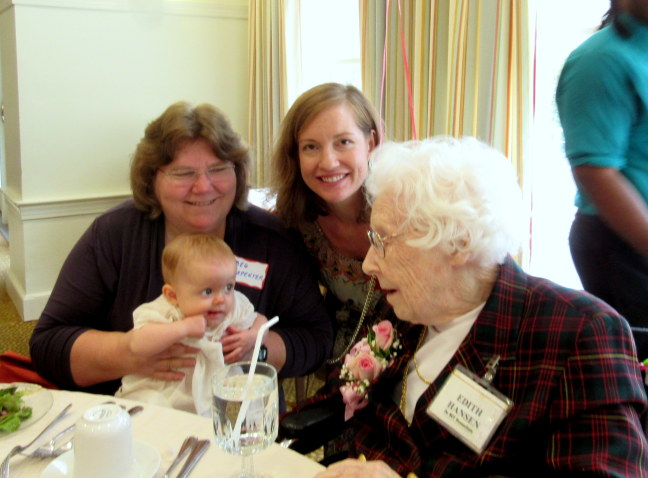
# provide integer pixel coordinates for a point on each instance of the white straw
(236, 434)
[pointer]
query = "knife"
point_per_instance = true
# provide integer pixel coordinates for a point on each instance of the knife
(187, 445)
(196, 454)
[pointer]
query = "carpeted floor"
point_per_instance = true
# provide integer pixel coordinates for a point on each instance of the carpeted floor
(14, 333)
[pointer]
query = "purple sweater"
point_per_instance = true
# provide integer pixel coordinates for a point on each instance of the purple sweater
(116, 266)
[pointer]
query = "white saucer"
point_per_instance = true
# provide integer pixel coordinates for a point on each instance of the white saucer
(147, 459)
(38, 398)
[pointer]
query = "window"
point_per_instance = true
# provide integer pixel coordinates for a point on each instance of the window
(329, 50)
(329, 37)
(561, 27)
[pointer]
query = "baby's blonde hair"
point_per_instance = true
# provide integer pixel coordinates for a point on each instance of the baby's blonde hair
(191, 247)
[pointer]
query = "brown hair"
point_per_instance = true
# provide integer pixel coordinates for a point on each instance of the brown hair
(189, 247)
(181, 123)
(295, 202)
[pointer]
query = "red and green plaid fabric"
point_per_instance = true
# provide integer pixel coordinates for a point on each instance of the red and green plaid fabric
(568, 363)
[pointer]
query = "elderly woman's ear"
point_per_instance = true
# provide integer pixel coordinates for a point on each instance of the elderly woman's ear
(459, 258)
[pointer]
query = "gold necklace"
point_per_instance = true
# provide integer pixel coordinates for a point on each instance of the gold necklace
(403, 398)
(372, 284)
(418, 372)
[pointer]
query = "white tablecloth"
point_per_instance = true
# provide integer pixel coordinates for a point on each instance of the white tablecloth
(164, 429)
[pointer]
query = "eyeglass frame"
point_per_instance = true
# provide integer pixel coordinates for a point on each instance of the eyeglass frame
(379, 242)
(221, 168)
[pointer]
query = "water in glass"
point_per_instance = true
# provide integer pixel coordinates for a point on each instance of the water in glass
(260, 425)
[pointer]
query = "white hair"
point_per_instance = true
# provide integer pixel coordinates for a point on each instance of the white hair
(460, 194)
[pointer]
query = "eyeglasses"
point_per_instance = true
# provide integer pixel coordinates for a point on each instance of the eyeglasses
(187, 177)
(379, 242)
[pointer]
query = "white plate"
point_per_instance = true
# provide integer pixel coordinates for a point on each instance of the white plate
(38, 398)
(146, 457)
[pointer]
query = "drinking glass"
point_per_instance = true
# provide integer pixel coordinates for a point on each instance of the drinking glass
(260, 421)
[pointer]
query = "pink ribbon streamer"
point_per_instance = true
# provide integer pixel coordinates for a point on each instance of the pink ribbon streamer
(384, 72)
(408, 81)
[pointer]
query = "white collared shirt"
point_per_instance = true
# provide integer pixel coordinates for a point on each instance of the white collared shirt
(440, 344)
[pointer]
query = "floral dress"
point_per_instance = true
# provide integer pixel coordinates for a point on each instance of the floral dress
(346, 288)
(346, 292)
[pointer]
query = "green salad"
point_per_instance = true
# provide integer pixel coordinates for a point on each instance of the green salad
(12, 409)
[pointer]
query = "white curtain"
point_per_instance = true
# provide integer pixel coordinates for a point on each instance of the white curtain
(267, 88)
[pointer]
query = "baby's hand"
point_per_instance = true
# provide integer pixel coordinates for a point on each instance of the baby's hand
(238, 344)
(195, 325)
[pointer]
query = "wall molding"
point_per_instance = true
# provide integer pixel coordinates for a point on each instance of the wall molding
(211, 8)
(29, 306)
(31, 211)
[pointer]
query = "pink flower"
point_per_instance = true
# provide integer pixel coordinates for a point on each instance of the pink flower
(357, 349)
(353, 400)
(364, 366)
(364, 363)
(384, 334)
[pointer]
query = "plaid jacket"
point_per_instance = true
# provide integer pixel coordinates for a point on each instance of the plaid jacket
(567, 362)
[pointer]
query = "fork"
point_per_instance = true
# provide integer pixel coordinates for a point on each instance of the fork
(4, 467)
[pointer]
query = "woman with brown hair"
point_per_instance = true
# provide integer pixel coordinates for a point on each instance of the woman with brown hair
(319, 165)
(188, 175)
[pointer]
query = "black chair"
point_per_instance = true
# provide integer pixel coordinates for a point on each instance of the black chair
(312, 426)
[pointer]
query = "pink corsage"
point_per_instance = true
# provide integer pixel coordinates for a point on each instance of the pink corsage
(365, 362)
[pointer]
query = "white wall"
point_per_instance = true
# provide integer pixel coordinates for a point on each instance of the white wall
(80, 81)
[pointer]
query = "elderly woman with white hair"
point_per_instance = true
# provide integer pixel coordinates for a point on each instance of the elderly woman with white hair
(498, 372)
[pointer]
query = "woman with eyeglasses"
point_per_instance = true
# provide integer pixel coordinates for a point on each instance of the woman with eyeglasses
(498, 373)
(188, 175)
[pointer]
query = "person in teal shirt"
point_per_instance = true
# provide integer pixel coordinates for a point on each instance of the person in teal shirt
(602, 99)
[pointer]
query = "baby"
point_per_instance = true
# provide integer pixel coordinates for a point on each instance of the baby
(198, 304)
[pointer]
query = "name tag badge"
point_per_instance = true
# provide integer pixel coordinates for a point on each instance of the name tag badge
(470, 408)
(251, 273)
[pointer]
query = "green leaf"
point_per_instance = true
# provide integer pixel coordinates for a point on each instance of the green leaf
(12, 409)
(24, 413)
(7, 392)
(10, 423)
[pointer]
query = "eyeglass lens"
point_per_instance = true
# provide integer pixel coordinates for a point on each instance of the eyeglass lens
(377, 242)
(190, 176)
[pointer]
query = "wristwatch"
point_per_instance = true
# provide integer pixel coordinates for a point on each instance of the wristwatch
(263, 353)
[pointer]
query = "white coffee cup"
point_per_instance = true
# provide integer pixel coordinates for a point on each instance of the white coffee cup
(103, 443)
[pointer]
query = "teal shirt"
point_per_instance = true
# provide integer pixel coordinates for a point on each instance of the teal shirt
(602, 99)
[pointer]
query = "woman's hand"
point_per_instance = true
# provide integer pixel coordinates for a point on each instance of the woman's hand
(98, 356)
(156, 349)
(351, 468)
(238, 344)
(167, 365)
